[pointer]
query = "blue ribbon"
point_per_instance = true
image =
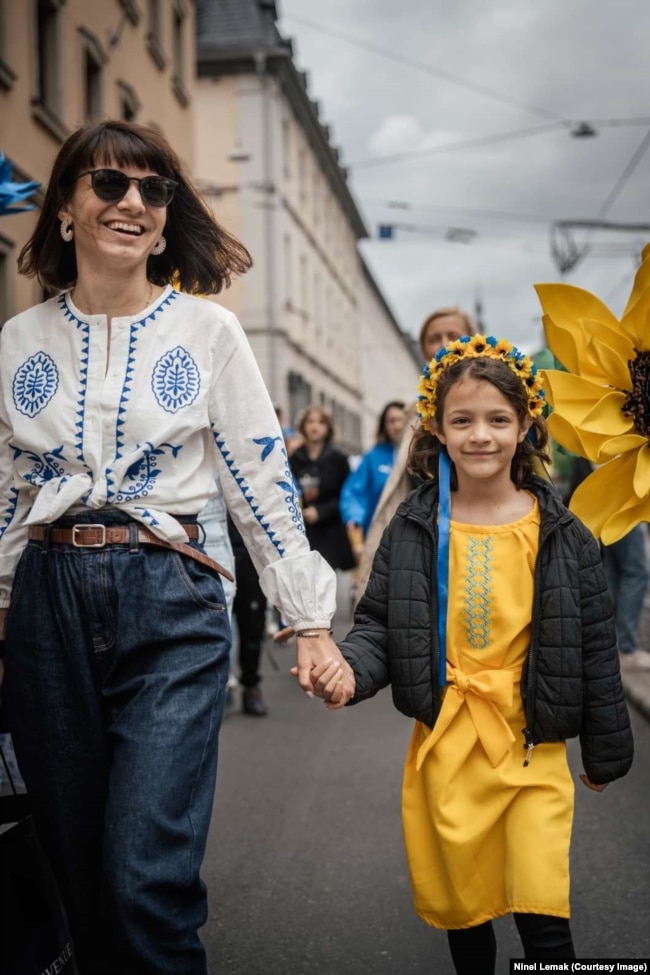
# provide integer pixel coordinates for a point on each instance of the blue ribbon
(442, 559)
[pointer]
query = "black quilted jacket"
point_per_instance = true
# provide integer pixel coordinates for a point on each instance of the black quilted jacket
(571, 682)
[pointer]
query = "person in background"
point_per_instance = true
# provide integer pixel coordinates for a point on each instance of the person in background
(121, 400)
(320, 470)
(626, 567)
(438, 329)
(363, 486)
(249, 611)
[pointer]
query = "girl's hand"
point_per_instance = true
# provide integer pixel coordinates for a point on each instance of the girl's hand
(592, 785)
(332, 680)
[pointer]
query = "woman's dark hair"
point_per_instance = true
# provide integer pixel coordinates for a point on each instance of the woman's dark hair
(200, 256)
(381, 435)
(324, 414)
(425, 446)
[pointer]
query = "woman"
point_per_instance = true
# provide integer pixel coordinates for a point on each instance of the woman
(364, 485)
(121, 399)
(320, 471)
(438, 329)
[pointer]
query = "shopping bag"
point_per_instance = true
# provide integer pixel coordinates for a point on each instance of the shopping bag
(34, 934)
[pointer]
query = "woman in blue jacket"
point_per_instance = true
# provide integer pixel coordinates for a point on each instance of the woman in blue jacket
(364, 485)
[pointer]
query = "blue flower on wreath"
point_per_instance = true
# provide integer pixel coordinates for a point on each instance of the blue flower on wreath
(175, 380)
(35, 383)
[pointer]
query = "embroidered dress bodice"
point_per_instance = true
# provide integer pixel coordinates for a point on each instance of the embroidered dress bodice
(143, 419)
(485, 834)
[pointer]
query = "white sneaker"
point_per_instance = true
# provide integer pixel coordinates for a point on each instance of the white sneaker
(637, 660)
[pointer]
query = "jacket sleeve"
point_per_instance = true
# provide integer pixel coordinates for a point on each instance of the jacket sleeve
(355, 494)
(366, 645)
(606, 738)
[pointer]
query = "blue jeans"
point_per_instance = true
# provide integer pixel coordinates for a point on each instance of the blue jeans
(627, 577)
(117, 662)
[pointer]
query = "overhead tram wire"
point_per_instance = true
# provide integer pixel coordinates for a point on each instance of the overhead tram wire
(430, 69)
(485, 140)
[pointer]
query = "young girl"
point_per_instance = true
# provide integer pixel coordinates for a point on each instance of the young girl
(487, 611)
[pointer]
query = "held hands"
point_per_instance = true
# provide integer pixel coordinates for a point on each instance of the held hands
(322, 671)
(592, 785)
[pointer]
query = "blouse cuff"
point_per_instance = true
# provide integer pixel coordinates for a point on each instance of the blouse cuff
(303, 587)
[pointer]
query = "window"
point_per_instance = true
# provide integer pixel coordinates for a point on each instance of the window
(7, 75)
(47, 100)
(6, 281)
(131, 10)
(304, 286)
(128, 101)
(288, 272)
(286, 149)
(93, 60)
(154, 33)
(179, 31)
(302, 175)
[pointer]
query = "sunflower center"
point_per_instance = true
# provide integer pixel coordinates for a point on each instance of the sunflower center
(637, 403)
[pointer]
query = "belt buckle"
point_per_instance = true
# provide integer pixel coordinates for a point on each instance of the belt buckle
(86, 528)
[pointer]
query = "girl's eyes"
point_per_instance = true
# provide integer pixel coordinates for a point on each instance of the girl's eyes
(498, 420)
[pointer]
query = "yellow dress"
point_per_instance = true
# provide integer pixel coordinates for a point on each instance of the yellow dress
(486, 835)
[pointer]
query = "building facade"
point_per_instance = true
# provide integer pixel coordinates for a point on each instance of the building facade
(265, 162)
(65, 62)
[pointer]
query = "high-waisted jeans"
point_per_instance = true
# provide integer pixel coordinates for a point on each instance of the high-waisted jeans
(117, 663)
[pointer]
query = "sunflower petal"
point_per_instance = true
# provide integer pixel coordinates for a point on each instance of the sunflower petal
(606, 416)
(565, 305)
(641, 279)
(636, 322)
(604, 493)
(641, 481)
(583, 443)
(566, 390)
(623, 521)
(620, 445)
(612, 353)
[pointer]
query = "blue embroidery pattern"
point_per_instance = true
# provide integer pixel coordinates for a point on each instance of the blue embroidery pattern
(288, 485)
(144, 471)
(35, 383)
(9, 512)
(84, 328)
(126, 388)
(268, 444)
(45, 468)
(477, 591)
(176, 380)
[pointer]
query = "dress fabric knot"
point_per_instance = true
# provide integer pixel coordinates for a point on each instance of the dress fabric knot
(483, 693)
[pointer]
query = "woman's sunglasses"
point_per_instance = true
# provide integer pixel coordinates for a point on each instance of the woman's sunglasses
(110, 185)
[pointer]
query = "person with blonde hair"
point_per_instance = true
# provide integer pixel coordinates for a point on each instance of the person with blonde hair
(438, 329)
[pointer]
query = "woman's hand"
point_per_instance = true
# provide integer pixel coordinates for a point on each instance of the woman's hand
(310, 514)
(322, 671)
(592, 785)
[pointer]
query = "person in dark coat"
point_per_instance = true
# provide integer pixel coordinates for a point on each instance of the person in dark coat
(320, 471)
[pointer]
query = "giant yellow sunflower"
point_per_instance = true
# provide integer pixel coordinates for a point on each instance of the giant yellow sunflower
(601, 404)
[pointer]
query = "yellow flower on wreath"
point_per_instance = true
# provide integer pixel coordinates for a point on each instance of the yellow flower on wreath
(601, 404)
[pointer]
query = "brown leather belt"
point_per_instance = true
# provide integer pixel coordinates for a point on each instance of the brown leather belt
(98, 536)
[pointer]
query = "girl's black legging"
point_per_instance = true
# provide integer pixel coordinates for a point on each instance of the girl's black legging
(474, 950)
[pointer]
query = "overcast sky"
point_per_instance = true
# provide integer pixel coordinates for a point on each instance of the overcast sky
(488, 68)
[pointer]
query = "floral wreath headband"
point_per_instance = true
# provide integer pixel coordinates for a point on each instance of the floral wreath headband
(479, 347)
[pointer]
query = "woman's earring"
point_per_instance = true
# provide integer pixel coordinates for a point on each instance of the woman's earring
(66, 231)
(160, 246)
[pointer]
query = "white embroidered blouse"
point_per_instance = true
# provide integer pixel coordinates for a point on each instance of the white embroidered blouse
(144, 427)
